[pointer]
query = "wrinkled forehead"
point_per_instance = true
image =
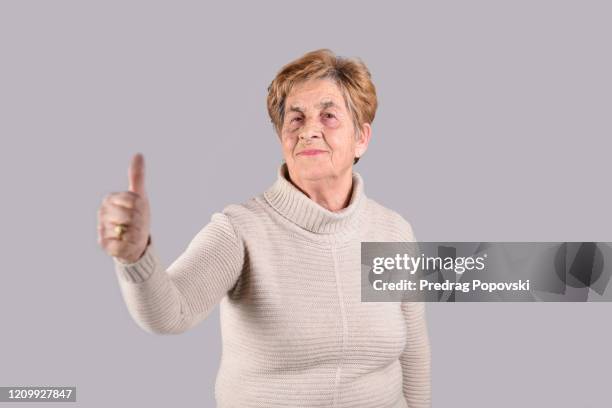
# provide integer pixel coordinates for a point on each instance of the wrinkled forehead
(315, 94)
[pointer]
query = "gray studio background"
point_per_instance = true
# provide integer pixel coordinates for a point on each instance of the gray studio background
(493, 125)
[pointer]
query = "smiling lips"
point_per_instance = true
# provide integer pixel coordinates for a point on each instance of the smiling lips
(311, 152)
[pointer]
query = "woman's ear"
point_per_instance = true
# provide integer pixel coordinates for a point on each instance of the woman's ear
(364, 139)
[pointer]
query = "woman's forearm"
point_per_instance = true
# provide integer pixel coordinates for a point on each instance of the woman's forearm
(172, 300)
(416, 358)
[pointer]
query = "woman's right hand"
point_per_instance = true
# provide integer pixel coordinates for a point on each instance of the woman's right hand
(130, 208)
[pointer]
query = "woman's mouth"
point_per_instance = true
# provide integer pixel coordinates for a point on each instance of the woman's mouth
(311, 152)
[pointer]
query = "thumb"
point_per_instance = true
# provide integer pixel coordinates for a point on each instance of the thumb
(136, 174)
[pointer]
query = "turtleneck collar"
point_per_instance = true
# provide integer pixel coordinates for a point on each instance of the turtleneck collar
(297, 207)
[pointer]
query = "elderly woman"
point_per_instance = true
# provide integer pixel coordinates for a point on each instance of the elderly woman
(285, 265)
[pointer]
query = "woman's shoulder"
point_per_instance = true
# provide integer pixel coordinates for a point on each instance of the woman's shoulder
(388, 219)
(244, 212)
(248, 215)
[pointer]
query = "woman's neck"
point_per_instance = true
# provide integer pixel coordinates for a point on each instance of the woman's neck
(332, 193)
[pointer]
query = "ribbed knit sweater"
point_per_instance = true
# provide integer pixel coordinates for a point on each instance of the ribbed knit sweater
(286, 273)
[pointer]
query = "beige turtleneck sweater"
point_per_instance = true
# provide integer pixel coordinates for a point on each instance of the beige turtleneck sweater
(286, 272)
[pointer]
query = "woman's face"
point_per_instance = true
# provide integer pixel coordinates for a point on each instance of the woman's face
(317, 134)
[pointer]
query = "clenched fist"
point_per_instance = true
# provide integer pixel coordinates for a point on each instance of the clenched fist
(130, 209)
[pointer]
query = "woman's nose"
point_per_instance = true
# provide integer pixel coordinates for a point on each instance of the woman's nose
(309, 133)
(305, 136)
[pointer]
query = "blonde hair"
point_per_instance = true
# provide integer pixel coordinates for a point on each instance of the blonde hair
(351, 76)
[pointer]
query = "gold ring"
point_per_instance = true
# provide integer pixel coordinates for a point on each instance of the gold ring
(120, 230)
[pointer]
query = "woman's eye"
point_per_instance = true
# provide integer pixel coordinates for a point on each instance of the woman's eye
(329, 115)
(295, 119)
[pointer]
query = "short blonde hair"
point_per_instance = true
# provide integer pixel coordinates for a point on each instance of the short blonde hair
(350, 74)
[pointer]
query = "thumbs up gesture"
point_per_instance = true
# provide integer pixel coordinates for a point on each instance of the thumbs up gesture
(124, 217)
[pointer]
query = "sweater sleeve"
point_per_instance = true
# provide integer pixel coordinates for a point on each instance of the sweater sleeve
(416, 357)
(173, 300)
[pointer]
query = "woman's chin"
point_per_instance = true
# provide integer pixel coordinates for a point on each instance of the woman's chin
(313, 170)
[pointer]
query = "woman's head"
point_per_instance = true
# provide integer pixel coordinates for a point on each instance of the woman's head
(324, 102)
